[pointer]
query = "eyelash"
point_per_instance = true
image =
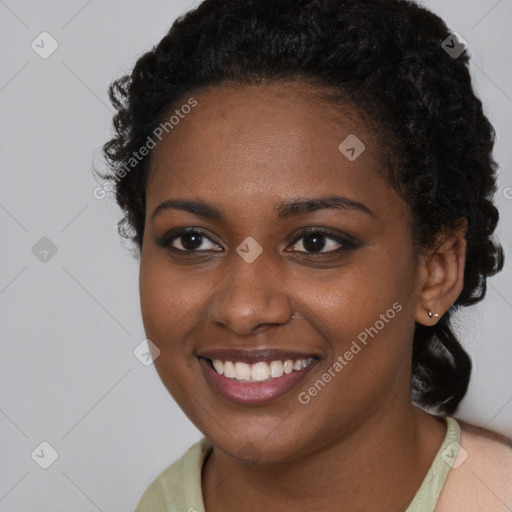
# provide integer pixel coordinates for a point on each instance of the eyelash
(346, 243)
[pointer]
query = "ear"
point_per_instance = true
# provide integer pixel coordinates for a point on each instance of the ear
(441, 274)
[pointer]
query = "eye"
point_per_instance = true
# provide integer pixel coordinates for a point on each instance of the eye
(187, 240)
(315, 240)
(318, 240)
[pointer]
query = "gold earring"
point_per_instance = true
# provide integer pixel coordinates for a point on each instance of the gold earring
(430, 314)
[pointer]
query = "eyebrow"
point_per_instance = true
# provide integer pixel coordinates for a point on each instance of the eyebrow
(284, 210)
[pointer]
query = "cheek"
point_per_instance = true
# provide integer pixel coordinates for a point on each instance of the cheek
(369, 355)
(170, 299)
(366, 310)
(170, 307)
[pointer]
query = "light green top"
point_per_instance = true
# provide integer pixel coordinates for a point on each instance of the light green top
(178, 488)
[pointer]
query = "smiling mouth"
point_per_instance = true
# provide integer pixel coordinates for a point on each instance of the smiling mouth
(255, 378)
(261, 371)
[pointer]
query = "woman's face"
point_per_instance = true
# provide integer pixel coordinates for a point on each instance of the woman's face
(257, 159)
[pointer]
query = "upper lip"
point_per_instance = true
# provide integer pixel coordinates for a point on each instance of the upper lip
(251, 356)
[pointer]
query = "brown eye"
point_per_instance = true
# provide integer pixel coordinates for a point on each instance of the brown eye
(322, 241)
(315, 242)
(190, 241)
(187, 240)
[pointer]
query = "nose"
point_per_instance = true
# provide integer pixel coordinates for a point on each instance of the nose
(250, 296)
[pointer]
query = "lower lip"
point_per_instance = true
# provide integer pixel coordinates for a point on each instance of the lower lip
(253, 393)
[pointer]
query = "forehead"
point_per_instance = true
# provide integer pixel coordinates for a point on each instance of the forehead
(258, 144)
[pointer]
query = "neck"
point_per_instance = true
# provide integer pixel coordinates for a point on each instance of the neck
(379, 465)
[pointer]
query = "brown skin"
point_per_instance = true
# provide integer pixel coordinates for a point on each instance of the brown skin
(359, 444)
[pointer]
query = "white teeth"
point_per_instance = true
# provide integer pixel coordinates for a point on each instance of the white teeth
(242, 371)
(219, 367)
(229, 370)
(260, 371)
(276, 369)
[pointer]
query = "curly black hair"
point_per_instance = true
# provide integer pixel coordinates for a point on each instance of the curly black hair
(387, 58)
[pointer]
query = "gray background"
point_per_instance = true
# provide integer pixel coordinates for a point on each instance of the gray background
(68, 374)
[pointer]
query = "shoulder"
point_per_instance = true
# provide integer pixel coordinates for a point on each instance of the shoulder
(176, 485)
(481, 473)
(486, 443)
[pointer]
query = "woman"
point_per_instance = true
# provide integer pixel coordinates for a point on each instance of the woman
(310, 186)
